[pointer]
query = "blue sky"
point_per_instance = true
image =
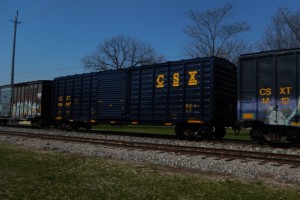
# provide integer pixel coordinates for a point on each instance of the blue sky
(56, 34)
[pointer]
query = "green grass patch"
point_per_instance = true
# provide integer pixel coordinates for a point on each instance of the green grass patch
(243, 134)
(28, 174)
(165, 130)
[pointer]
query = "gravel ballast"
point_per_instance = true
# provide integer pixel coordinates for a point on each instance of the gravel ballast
(252, 169)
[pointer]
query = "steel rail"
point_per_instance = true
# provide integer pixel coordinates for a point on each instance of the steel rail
(263, 157)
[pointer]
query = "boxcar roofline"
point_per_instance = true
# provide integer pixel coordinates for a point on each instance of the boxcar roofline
(270, 53)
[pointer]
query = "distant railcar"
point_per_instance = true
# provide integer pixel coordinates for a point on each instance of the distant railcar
(196, 95)
(31, 101)
(269, 94)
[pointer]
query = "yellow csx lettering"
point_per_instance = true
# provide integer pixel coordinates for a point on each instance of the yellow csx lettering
(265, 91)
(68, 98)
(285, 90)
(160, 80)
(193, 80)
(176, 79)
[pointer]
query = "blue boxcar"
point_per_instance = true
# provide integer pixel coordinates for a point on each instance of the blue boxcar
(196, 95)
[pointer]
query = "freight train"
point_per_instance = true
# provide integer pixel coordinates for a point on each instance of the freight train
(200, 97)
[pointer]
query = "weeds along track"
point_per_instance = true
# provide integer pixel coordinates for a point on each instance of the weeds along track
(228, 155)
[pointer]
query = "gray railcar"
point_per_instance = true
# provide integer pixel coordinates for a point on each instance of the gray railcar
(269, 94)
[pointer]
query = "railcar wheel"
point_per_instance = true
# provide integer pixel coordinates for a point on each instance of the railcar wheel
(219, 132)
(256, 134)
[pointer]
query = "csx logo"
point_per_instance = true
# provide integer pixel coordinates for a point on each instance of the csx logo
(160, 79)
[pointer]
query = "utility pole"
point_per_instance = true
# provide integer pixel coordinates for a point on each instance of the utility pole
(15, 21)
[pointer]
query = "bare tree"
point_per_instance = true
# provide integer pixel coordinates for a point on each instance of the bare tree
(283, 32)
(120, 52)
(214, 34)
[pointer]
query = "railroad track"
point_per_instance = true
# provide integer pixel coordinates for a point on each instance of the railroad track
(228, 155)
(152, 135)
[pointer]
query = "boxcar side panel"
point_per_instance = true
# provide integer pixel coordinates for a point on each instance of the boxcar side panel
(75, 98)
(134, 94)
(225, 89)
(160, 99)
(193, 91)
(247, 91)
(176, 93)
(266, 70)
(58, 98)
(146, 94)
(111, 96)
(286, 91)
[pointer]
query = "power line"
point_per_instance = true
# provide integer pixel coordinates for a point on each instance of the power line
(29, 12)
(48, 70)
(16, 22)
(46, 9)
